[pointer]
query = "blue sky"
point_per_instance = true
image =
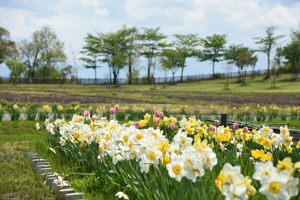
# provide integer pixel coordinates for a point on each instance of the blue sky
(240, 20)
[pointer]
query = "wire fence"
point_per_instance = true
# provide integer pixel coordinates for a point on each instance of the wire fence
(135, 81)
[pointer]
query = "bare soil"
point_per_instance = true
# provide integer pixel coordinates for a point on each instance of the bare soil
(187, 98)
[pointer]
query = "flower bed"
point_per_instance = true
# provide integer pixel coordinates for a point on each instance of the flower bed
(163, 157)
(258, 113)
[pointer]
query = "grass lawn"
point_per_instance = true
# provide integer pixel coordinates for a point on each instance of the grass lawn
(18, 179)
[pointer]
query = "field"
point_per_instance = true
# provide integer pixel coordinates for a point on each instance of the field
(256, 91)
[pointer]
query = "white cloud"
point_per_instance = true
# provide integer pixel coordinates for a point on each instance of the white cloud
(255, 14)
(96, 5)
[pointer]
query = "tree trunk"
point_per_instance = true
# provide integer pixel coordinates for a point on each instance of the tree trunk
(173, 74)
(109, 71)
(149, 70)
(213, 69)
(95, 75)
(181, 75)
(129, 70)
(44, 71)
(115, 77)
(268, 70)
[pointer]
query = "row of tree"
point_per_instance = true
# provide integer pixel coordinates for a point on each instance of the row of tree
(43, 56)
(123, 47)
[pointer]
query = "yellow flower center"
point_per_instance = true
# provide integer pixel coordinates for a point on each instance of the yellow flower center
(166, 159)
(98, 139)
(130, 144)
(78, 135)
(176, 169)
(284, 131)
(89, 136)
(139, 136)
(125, 138)
(274, 187)
(152, 155)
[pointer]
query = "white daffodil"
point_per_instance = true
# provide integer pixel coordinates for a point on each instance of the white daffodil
(284, 131)
(60, 182)
(192, 164)
(176, 168)
(266, 131)
(292, 186)
(232, 183)
(182, 140)
(122, 195)
(37, 126)
(209, 158)
(276, 139)
(274, 188)
(264, 170)
(50, 128)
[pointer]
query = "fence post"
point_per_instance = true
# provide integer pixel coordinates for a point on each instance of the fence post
(224, 119)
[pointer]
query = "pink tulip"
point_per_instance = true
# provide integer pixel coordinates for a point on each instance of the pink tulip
(156, 113)
(86, 114)
(235, 125)
(112, 110)
(245, 130)
(137, 125)
(117, 107)
(217, 123)
(94, 118)
(161, 115)
(212, 129)
(173, 126)
(157, 120)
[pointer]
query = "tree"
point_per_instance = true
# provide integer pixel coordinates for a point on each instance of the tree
(30, 55)
(66, 71)
(7, 46)
(171, 60)
(91, 54)
(131, 50)
(245, 57)
(292, 53)
(151, 46)
(186, 45)
(110, 48)
(16, 68)
(241, 57)
(278, 59)
(213, 49)
(52, 49)
(43, 50)
(113, 50)
(135, 74)
(267, 43)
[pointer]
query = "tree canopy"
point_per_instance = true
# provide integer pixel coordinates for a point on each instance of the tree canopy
(213, 49)
(7, 46)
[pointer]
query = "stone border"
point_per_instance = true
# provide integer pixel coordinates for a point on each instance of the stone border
(43, 168)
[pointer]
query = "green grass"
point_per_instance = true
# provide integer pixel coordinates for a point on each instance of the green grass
(292, 124)
(17, 179)
(16, 175)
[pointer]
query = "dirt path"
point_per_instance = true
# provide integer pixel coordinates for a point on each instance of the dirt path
(66, 98)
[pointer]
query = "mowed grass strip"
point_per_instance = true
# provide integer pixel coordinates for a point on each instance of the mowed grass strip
(17, 179)
(253, 85)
